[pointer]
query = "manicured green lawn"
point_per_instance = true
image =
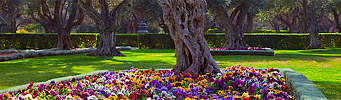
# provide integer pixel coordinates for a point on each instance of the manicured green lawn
(320, 66)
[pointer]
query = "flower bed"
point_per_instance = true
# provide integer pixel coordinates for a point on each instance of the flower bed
(234, 82)
(249, 51)
(249, 48)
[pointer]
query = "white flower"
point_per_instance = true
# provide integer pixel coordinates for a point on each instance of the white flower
(271, 92)
(107, 91)
(146, 86)
(28, 97)
(123, 90)
(156, 96)
(219, 74)
(70, 98)
(113, 94)
(92, 97)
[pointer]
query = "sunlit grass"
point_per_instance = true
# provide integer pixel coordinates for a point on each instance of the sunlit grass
(320, 66)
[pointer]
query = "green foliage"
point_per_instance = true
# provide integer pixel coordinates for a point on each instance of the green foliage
(273, 8)
(152, 41)
(33, 27)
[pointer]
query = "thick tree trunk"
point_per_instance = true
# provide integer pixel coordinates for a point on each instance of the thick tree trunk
(234, 40)
(277, 28)
(163, 26)
(234, 34)
(337, 20)
(290, 24)
(332, 25)
(310, 21)
(64, 40)
(107, 45)
(292, 28)
(49, 29)
(274, 24)
(314, 40)
(249, 22)
(12, 26)
(185, 20)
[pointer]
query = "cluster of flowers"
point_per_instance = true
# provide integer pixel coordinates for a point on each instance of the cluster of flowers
(249, 48)
(234, 82)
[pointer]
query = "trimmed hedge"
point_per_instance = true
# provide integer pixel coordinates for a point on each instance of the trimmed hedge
(161, 41)
(271, 41)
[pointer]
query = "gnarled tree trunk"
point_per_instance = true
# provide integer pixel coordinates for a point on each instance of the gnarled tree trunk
(48, 28)
(309, 21)
(336, 18)
(234, 33)
(186, 26)
(249, 22)
(107, 22)
(12, 26)
(107, 45)
(64, 40)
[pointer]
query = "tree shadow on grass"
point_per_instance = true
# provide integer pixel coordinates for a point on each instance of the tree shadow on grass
(330, 89)
(19, 72)
(281, 56)
(324, 51)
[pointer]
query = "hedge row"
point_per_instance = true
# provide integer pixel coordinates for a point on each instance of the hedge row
(151, 41)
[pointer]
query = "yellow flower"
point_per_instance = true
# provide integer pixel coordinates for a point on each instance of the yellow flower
(221, 93)
(234, 92)
(282, 80)
(244, 95)
(189, 98)
(150, 89)
(75, 96)
(27, 91)
(200, 77)
(257, 96)
(173, 77)
(230, 74)
(199, 83)
(113, 97)
(228, 90)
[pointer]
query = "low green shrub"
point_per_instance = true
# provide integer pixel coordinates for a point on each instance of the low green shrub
(162, 41)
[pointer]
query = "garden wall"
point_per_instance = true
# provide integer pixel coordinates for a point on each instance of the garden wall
(161, 41)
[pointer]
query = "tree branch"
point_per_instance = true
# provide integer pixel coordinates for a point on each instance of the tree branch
(89, 10)
(45, 10)
(57, 20)
(4, 20)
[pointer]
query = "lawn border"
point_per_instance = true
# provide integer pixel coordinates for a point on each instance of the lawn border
(303, 88)
(22, 54)
(266, 52)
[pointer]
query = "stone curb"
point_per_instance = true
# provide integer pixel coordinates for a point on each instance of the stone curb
(266, 52)
(57, 80)
(40, 53)
(302, 88)
(47, 52)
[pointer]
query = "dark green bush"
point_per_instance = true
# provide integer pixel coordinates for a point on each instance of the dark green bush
(151, 41)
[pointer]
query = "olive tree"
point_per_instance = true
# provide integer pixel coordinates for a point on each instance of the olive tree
(185, 20)
(107, 21)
